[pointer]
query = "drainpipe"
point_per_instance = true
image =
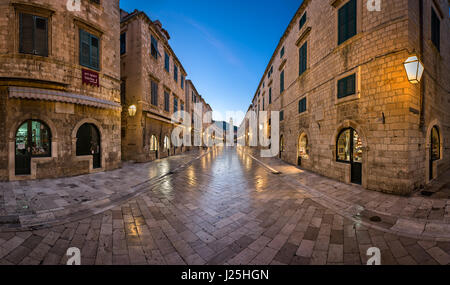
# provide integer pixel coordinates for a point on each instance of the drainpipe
(422, 84)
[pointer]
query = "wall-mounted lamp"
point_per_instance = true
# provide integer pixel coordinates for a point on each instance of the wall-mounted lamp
(132, 110)
(414, 69)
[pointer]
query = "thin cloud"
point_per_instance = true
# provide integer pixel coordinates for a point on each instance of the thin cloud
(222, 49)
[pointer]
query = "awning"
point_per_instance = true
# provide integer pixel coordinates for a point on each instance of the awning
(59, 96)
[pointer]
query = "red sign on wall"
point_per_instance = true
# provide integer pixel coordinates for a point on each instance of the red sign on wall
(90, 77)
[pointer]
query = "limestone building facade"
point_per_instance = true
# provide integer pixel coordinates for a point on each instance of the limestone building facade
(347, 108)
(154, 82)
(59, 88)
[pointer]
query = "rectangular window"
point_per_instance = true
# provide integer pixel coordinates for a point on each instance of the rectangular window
(347, 86)
(435, 30)
(89, 50)
(154, 90)
(269, 74)
(282, 53)
(302, 21)
(33, 35)
(166, 101)
(166, 62)
(154, 48)
(264, 103)
(175, 72)
(282, 82)
(302, 106)
(123, 43)
(281, 116)
(347, 21)
(182, 81)
(303, 54)
(123, 90)
(175, 105)
(270, 95)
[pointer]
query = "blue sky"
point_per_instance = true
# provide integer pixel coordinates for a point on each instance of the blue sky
(224, 45)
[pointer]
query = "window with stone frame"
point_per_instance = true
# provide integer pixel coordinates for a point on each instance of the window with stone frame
(347, 86)
(89, 50)
(33, 34)
(302, 106)
(270, 95)
(282, 82)
(347, 17)
(303, 56)
(175, 104)
(166, 101)
(302, 21)
(123, 43)
(175, 72)
(435, 29)
(154, 93)
(166, 62)
(154, 48)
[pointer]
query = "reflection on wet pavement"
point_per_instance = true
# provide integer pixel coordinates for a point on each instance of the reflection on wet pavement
(222, 209)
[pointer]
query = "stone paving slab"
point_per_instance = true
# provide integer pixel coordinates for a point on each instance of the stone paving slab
(415, 216)
(39, 203)
(224, 208)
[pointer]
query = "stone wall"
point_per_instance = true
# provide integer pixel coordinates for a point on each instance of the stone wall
(138, 69)
(61, 71)
(384, 109)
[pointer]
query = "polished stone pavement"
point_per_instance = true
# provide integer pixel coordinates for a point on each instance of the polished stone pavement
(223, 208)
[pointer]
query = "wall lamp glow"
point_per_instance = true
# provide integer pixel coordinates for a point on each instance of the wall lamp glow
(132, 110)
(414, 69)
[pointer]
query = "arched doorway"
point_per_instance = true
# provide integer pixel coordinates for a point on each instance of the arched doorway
(167, 145)
(281, 146)
(349, 150)
(154, 146)
(303, 148)
(89, 143)
(33, 139)
(435, 149)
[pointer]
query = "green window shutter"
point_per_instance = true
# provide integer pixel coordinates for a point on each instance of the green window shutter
(342, 24)
(41, 36)
(85, 48)
(282, 82)
(123, 43)
(167, 62)
(270, 95)
(347, 16)
(166, 101)
(351, 30)
(435, 30)
(154, 93)
(26, 33)
(303, 58)
(95, 48)
(347, 86)
(302, 106)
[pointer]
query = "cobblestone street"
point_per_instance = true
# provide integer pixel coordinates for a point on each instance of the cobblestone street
(222, 207)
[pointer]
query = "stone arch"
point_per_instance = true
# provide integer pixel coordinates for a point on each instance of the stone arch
(42, 118)
(365, 148)
(103, 148)
(431, 125)
(12, 144)
(303, 132)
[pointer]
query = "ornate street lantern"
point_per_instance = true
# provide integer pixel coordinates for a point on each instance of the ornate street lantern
(414, 69)
(132, 110)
